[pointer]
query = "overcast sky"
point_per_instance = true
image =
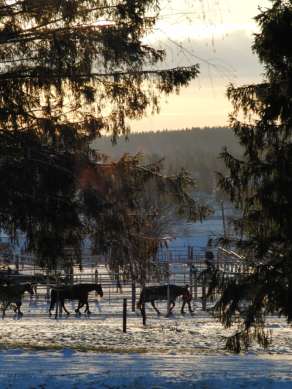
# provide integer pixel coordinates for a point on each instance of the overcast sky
(217, 34)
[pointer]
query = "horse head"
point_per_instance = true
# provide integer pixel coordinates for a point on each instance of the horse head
(99, 290)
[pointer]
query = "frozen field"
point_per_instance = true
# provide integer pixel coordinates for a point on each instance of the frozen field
(179, 352)
(67, 369)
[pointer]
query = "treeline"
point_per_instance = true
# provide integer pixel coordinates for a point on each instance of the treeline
(196, 150)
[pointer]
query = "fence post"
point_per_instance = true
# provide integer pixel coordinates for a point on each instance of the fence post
(59, 307)
(124, 315)
(47, 292)
(168, 298)
(133, 296)
(191, 280)
(190, 260)
(47, 287)
(57, 304)
(195, 285)
(204, 295)
(143, 314)
(17, 263)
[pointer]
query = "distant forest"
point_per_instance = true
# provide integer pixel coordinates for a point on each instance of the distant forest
(196, 150)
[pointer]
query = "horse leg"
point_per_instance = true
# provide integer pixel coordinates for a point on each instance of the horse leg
(169, 313)
(183, 307)
(154, 306)
(190, 308)
(18, 305)
(35, 289)
(52, 305)
(139, 306)
(85, 301)
(87, 308)
(143, 313)
(80, 305)
(5, 306)
(63, 306)
(77, 309)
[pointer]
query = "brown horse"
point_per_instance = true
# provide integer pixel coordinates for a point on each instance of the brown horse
(149, 294)
(76, 292)
(12, 294)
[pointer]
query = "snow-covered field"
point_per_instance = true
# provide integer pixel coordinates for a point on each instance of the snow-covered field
(93, 352)
(67, 369)
(177, 352)
(103, 333)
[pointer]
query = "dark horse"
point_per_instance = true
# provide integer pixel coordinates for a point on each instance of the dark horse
(151, 293)
(12, 294)
(75, 292)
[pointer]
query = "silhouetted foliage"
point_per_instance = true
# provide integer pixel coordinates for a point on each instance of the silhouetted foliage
(69, 70)
(129, 209)
(260, 185)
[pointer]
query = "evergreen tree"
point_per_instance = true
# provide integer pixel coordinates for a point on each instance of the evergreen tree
(70, 69)
(260, 185)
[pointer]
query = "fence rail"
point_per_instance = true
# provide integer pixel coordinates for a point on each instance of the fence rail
(183, 267)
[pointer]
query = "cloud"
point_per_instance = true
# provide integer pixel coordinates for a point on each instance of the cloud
(226, 59)
(204, 102)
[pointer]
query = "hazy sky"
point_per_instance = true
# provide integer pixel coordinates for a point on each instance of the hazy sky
(218, 35)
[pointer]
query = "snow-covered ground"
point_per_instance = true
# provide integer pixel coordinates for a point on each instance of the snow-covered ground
(69, 369)
(93, 352)
(103, 333)
(177, 352)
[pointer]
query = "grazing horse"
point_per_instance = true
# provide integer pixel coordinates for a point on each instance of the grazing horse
(12, 294)
(76, 292)
(164, 292)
